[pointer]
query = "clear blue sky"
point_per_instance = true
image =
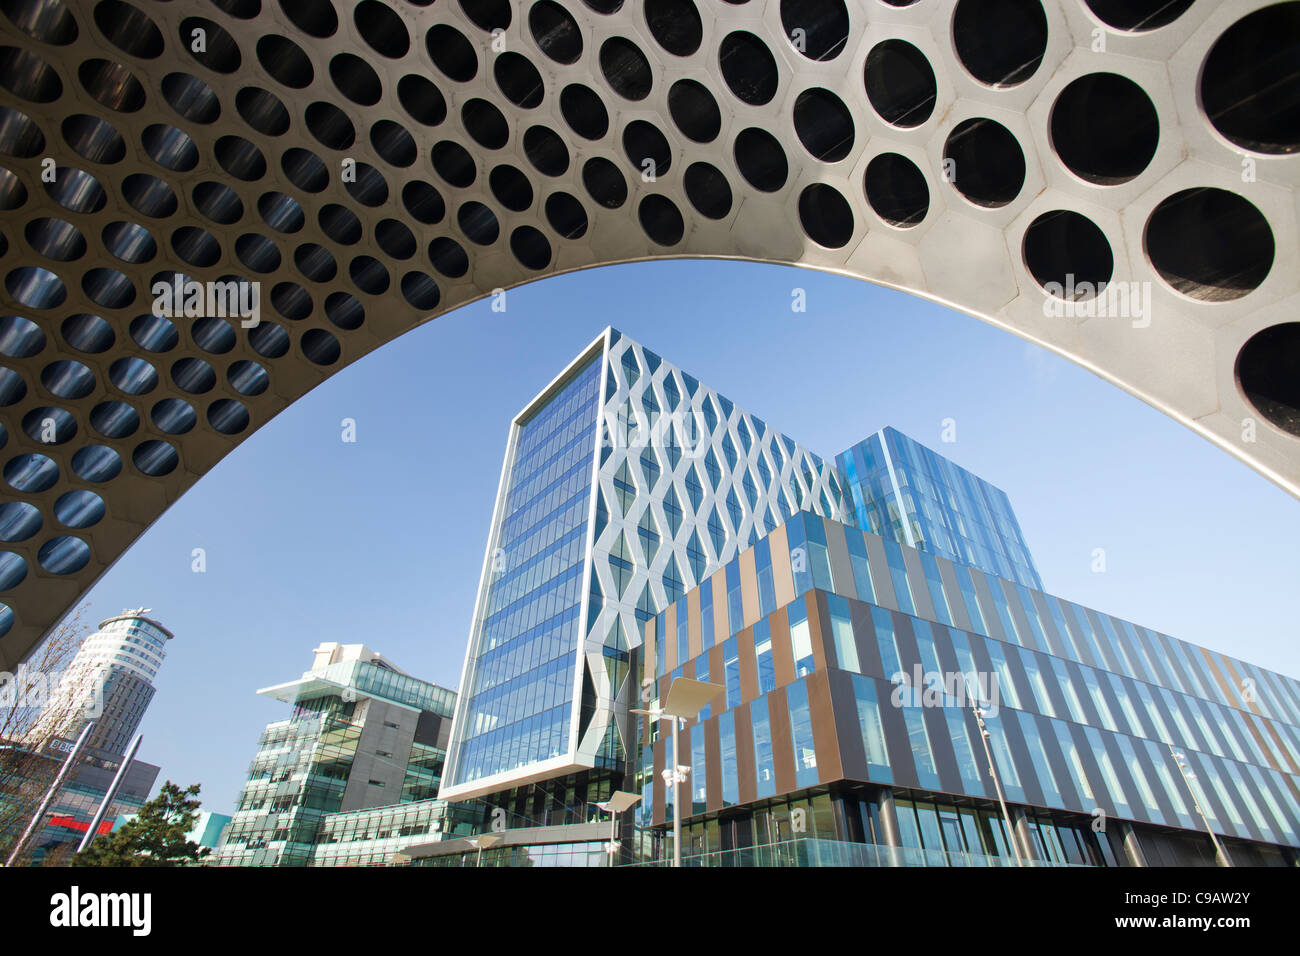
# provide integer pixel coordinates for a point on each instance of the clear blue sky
(309, 539)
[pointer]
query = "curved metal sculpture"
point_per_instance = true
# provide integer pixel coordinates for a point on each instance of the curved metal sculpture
(212, 205)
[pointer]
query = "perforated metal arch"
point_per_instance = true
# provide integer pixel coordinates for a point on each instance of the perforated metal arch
(373, 164)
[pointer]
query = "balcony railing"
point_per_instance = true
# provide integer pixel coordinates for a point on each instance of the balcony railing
(809, 851)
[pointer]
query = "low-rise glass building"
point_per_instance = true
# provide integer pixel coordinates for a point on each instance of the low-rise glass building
(362, 734)
(854, 675)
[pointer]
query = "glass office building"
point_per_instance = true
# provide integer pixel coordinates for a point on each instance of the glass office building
(633, 495)
(625, 482)
(362, 734)
(847, 713)
(902, 490)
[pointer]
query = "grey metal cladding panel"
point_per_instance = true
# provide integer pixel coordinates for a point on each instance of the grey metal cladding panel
(844, 707)
(432, 730)
(1092, 770)
(917, 580)
(1055, 692)
(1127, 783)
(838, 550)
(941, 749)
(864, 635)
(897, 740)
(1091, 717)
(1056, 642)
(1016, 609)
(880, 576)
(992, 619)
(905, 640)
(952, 588)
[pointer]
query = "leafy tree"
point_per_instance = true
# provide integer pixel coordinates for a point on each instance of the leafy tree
(156, 837)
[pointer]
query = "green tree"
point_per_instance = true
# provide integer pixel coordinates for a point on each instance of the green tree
(156, 837)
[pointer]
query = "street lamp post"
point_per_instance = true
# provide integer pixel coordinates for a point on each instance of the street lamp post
(484, 841)
(997, 783)
(686, 698)
(1188, 777)
(619, 802)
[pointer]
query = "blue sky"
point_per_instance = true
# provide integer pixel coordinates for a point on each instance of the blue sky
(311, 539)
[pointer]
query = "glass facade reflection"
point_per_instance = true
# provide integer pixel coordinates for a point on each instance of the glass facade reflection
(903, 491)
(872, 695)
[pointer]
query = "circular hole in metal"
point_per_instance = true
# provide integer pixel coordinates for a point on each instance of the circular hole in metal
(193, 375)
(1209, 244)
(1000, 42)
(448, 257)
(708, 190)
(155, 458)
(421, 99)
(694, 110)
(174, 416)
(1268, 370)
(345, 311)
(305, 170)
(661, 220)
(546, 151)
(356, 79)
(748, 68)
(423, 202)
(604, 182)
(987, 164)
(566, 216)
(55, 239)
(900, 83)
(97, 463)
(112, 85)
(511, 188)
(1104, 128)
(149, 195)
(761, 160)
(20, 337)
(395, 238)
(825, 216)
(320, 347)
(79, 509)
(369, 275)
(128, 29)
(451, 52)
(114, 419)
(48, 425)
(248, 378)
(64, 554)
(584, 111)
(1067, 254)
(556, 32)
(154, 333)
(420, 291)
(170, 148)
(453, 163)
(285, 61)
(218, 202)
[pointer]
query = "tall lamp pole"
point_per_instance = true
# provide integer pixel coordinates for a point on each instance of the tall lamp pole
(685, 699)
(997, 783)
(1188, 777)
